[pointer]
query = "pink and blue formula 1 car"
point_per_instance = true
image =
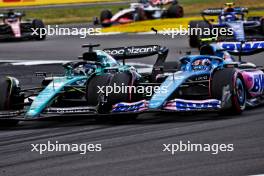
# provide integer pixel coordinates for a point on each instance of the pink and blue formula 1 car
(211, 81)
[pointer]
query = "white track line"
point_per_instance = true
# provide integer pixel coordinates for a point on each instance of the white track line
(162, 32)
(32, 62)
(141, 67)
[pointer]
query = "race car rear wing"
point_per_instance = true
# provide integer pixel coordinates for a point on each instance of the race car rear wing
(6, 15)
(243, 48)
(133, 52)
(218, 11)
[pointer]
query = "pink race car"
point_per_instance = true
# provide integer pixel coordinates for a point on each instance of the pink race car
(13, 27)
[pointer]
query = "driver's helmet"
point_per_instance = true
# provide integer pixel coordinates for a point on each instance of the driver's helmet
(201, 64)
(143, 1)
(229, 12)
(229, 8)
(85, 69)
(11, 14)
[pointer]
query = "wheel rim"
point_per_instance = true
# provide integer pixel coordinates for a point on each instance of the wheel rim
(241, 94)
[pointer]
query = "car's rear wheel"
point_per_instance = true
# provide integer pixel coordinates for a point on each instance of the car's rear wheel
(195, 37)
(140, 15)
(262, 26)
(93, 88)
(254, 18)
(118, 83)
(38, 25)
(228, 79)
(175, 11)
(105, 18)
(128, 94)
(120, 80)
(6, 101)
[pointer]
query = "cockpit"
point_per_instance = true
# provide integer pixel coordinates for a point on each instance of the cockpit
(92, 61)
(199, 63)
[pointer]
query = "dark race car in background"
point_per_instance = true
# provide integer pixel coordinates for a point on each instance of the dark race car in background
(143, 10)
(232, 18)
(13, 26)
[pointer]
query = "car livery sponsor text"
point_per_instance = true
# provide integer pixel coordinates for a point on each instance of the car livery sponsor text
(132, 50)
(236, 46)
(258, 83)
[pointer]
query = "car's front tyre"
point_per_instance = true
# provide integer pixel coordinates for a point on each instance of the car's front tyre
(105, 18)
(262, 26)
(195, 37)
(6, 94)
(38, 25)
(229, 79)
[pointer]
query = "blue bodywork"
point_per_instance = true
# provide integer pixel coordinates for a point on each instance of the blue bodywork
(187, 71)
(229, 19)
(234, 19)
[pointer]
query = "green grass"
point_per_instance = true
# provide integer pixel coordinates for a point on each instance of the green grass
(161, 24)
(86, 14)
(69, 15)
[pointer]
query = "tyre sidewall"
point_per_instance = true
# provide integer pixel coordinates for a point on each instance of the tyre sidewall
(228, 77)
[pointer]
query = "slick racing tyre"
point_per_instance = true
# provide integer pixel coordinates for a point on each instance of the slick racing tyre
(106, 15)
(262, 26)
(93, 92)
(38, 25)
(175, 11)
(140, 15)
(229, 79)
(120, 80)
(194, 38)
(6, 101)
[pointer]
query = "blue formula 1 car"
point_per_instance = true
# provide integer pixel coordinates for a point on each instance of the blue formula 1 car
(232, 19)
(81, 91)
(211, 81)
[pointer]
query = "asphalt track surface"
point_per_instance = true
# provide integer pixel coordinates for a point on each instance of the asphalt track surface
(132, 147)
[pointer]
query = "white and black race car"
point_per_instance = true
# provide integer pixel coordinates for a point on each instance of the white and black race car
(143, 10)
